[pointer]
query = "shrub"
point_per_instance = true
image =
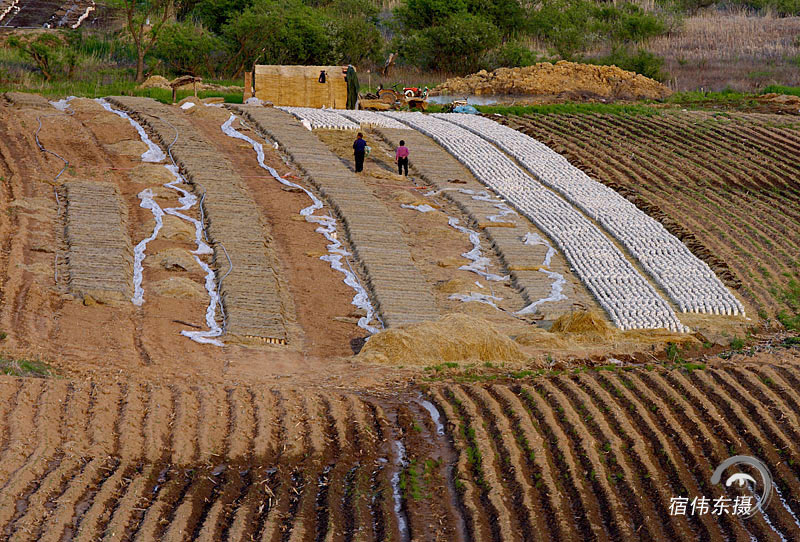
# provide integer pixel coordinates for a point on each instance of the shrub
(641, 61)
(45, 50)
(513, 54)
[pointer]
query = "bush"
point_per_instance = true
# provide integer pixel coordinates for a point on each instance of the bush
(642, 61)
(48, 52)
(513, 54)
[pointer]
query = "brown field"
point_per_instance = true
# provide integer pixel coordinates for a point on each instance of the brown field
(581, 455)
(283, 434)
(721, 183)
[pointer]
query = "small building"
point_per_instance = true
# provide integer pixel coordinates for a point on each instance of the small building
(301, 86)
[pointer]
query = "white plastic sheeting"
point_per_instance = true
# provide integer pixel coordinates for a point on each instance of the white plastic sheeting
(629, 299)
(486, 299)
(370, 118)
(337, 255)
(422, 208)
(557, 288)
(187, 200)
(63, 104)
(688, 281)
(480, 263)
(154, 153)
(11, 7)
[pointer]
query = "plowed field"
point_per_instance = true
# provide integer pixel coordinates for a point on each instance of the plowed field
(726, 185)
(583, 455)
(146, 435)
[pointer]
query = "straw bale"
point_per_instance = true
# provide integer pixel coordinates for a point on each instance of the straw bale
(453, 338)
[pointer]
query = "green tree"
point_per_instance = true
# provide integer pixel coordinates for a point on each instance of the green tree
(422, 14)
(279, 32)
(461, 42)
(43, 49)
(144, 21)
(189, 48)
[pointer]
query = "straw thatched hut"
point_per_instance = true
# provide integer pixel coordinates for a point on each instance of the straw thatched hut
(302, 86)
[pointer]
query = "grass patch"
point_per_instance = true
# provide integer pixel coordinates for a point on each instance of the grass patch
(781, 89)
(569, 108)
(87, 89)
(25, 367)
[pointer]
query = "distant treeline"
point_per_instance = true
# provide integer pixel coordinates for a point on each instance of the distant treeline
(220, 39)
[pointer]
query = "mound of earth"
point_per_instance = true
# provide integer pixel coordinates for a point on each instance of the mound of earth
(567, 79)
(157, 81)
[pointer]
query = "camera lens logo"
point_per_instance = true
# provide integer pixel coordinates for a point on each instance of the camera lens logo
(742, 481)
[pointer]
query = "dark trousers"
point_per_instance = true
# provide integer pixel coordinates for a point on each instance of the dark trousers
(359, 160)
(402, 164)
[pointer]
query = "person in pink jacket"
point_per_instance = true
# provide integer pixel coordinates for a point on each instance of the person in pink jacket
(401, 157)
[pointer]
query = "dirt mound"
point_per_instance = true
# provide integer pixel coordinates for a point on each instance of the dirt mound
(157, 81)
(583, 322)
(455, 337)
(567, 79)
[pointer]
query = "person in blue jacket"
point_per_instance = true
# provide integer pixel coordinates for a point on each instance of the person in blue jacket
(360, 150)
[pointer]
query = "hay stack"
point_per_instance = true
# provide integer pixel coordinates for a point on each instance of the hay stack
(583, 323)
(569, 79)
(455, 337)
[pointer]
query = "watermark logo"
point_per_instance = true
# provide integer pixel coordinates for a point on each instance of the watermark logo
(748, 490)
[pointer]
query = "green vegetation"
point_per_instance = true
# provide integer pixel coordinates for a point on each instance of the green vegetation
(569, 108)
(220, 39)
(780, 89)
(25, 367)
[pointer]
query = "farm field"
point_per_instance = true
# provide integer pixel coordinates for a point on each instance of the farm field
(722, 183)
(524, 339)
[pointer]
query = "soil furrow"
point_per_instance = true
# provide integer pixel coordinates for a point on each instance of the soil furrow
(628, 474)
(105, 503)
(655, 482)
(243, 428)
(679, 452)
(481, 463)
(467, 498)
(551, 497)
(188, 418)
(615, 520)
(529, 518)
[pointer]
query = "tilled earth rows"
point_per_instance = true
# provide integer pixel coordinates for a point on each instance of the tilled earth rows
(722, 184)
(592, 455)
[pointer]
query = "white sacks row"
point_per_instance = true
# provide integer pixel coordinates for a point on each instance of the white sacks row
(321, 118)
(370, 118)
(687, 280)
(629, 299)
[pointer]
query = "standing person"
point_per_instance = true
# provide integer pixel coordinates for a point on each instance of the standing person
(401, 157)
(359, 151)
